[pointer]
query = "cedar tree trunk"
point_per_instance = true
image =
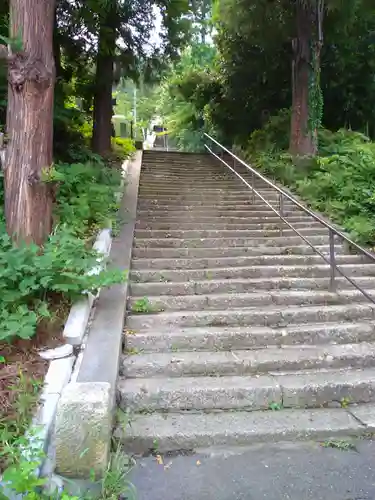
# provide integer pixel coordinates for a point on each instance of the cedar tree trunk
(301, 139)
(31, 77)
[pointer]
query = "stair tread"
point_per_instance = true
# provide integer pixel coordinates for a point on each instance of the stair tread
(255, 330)
(244, 362)
(240, 338)
(178, 432)
(210, 301)
(304, 378)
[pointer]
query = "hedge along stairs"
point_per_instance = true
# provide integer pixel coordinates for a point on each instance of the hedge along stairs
(232, 334)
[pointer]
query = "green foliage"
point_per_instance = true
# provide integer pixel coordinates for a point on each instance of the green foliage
(254, 65)
(86, 195)
(14, 421)
(274, 134)
(340, 182)
(187, 95)
(315, 102)
(20, 478)
(31, 280)
(122, 147)
(142, 305)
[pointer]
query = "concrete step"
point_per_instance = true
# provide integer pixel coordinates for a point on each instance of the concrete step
(239, 261)
(166, 188)
(217, 273)
(207, 202)
(223, 251)
(266, 316)
(149, 193)
(192, 198)
(190, 431)
(226, 233)
(244, 338)
(207, 174)
(222, 301)
(213, 219)
(278, 241)
(276, 224)
(308, 389)
(242, 285)
(248, 362)
(235, 211)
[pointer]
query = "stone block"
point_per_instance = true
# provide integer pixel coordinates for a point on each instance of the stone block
(83, 429)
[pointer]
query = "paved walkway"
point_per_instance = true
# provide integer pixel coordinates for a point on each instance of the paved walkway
(305, 471)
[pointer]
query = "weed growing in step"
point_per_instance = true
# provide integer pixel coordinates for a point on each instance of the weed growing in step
(144, 306)
(131, 351)
(345, 402)
(275, 406)
(339, 444)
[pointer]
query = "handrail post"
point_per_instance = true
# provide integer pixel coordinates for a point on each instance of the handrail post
(281, 211)
(332, 260)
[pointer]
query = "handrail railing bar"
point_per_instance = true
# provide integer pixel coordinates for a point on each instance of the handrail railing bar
(325, 258)
(293, 200)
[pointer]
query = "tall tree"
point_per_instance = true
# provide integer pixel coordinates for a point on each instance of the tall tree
(109, 22)
(31, 77)
(306, 93)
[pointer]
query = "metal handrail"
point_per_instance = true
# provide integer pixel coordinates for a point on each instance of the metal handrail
(331, 261)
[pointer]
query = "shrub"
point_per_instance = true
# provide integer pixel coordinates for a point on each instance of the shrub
(86, 195)
(340, 182)
(31, 280)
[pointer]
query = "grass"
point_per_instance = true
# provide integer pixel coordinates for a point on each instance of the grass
(19, 397)
(339, 444)
(22, 372)
(115, 484)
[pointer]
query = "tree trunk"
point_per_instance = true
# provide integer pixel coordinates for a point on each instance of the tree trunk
(301, 138)
(31, 76)
(102, 128)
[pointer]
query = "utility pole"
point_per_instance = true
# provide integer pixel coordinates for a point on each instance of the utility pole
(135, 106)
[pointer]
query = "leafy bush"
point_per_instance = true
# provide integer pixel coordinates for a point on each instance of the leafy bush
(86, 195)
(33, 280)
(30, 280)
(123, 147)
(340, 182)
(273, 136)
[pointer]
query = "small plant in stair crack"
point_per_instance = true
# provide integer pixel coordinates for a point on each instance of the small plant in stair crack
(339, 444)
(345, 402)
(131, 351)
(142, 306)
(275, 406)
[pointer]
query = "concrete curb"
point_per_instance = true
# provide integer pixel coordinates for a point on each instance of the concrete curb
(86, 407)
(76, 324)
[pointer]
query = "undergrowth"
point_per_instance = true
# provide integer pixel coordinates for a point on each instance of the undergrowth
(32, 280)
(339, 182)
(20, 478)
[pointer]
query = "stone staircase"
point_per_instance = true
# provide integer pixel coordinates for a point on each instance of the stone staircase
(232, 335)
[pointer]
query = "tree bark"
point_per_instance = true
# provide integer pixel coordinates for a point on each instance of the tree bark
(31, 76)
(102, 116)
(301, 138)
